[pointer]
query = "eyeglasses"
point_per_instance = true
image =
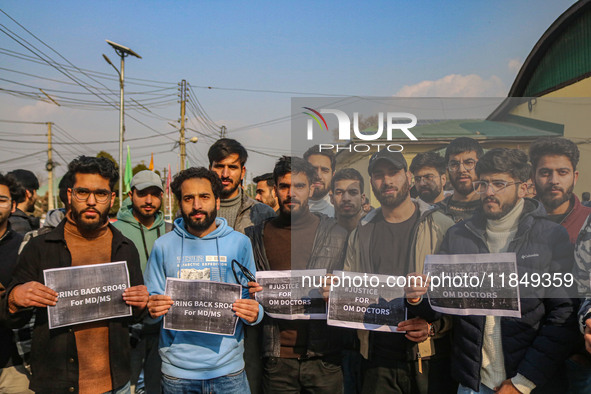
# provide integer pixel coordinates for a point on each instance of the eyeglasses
(426, 178)
(481, 187)
(5, 201)
(81, 194)
(455, 165)
(245, 271)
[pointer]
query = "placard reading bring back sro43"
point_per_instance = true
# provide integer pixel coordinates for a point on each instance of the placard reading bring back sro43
(87, 293)
(201, 306)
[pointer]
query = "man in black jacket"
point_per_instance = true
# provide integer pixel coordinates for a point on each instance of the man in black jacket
(513, 355)
(88, 357)
(13, 376)
(20, 221)
(299, 355)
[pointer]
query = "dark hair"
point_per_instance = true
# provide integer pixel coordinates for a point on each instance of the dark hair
(428, 159)
(511, 161)
(26, 178)
(315, 150)
(461, 145)
(268, 177)
(586, 196)
(196, 172)
(66, 183)
(365, 200)
(349, 174)
(16, 190)
(94, 165)
(223, 148)
(553, 146)
(293, 164)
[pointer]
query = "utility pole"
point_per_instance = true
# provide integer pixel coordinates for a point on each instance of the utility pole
(223, 132)
(49, 168)
(182, 144)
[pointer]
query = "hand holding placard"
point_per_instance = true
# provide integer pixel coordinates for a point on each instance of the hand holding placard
(246, 309)
(159, 304)
(136, 296)
(417, 329)
(32, 294)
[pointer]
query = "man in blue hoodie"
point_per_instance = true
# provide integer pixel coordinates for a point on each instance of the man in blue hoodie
(201, 246)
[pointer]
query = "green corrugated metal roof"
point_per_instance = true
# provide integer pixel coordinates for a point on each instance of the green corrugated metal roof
(567, 59)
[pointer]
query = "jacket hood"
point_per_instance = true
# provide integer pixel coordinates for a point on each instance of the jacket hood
(125, 214)
(54, 217)
(221, 231)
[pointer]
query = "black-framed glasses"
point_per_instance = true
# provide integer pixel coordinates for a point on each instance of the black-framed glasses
(481, 187)
(245, 271)
(101, 195)
(454, 165)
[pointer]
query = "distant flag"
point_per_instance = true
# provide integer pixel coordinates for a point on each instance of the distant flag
(151, 166)
(128, 171)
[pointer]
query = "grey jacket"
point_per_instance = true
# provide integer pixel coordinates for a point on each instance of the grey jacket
(327, 253)
(251, 213)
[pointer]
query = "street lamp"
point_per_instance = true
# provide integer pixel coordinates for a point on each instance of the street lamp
(122, 52)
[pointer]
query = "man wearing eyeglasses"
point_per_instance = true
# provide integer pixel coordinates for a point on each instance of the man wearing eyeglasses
(428, 171)
(461, 157)
(88, 357)
(506, 354)
(201, 246)
(14, 378)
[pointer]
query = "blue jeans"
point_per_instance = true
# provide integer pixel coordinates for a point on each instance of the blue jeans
(121, 390)
(483, 390)
(235, 383)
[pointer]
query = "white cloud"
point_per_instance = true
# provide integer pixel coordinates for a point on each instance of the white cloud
(514, 65)
(37, 112)
(455, 85)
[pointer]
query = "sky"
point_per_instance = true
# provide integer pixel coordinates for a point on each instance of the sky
(244, 62)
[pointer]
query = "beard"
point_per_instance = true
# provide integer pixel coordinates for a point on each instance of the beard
(202, 224)
(463, 189)
(319, 192)
(86, 226)
(429, 193)
(505, 208)
(554, 202)
(292, 212)
(227, 191)
(392, 201)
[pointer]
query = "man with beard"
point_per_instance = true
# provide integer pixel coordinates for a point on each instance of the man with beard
(507, 354)
(87, 357)
(201, 246)
(554, 172)
(20, 221)
(299, 355)
(324, 162)
(347, 196)
(461, 157)
(141, 220)
(227, 158)
(14, 378)
(394, 240)
(428, 169)
(265, 191)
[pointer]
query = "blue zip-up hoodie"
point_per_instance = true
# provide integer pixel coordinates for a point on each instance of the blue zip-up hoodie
(179, 254)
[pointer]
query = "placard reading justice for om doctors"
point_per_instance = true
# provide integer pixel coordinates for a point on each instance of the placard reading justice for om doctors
(201, 306)
(292, 294)
(87, 293)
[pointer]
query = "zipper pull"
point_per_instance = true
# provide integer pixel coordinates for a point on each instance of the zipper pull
(420, 362)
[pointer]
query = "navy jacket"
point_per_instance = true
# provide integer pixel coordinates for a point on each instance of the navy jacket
(536, 344)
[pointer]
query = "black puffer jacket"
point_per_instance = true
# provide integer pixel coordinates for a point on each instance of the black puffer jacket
(536, 344)
(328, 252)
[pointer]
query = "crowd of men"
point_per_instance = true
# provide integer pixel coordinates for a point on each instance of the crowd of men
(307, 215)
